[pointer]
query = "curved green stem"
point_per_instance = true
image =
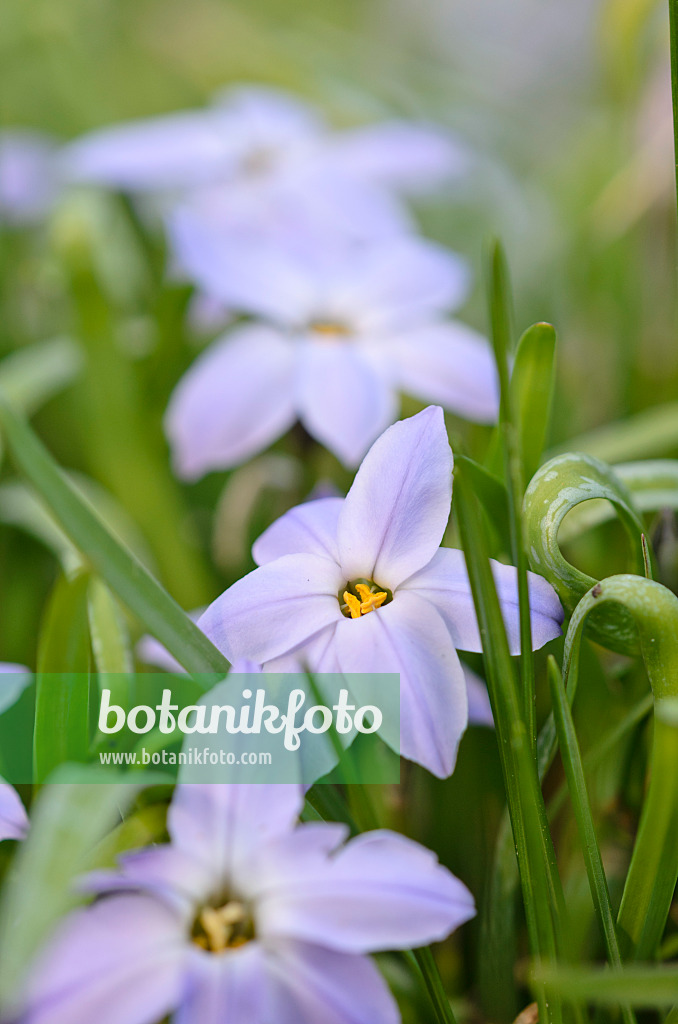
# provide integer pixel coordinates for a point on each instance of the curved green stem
(653, 873)
(560, 486)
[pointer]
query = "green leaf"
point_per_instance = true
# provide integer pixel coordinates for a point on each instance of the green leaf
(648, 434)
(122, 444)
(433, 983)
(532, 381)
(68, 821)
(20, 508)
(110, 637)
(31, 375)
(542, 893)
(62, 701)
(509, 434)
(574, 773)
(110, 643)
(644, 987)
(493, 497)
(652, 877)
(559, 486)
(652, 485)
(105, 554)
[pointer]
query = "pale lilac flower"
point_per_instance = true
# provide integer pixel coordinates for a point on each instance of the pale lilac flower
(245, 135)
(246, 918)
(479, 707)
(28, 178)
(151, 652)
(13, 817)
(361, 585)
(341, 332)
(269, 159)
(401, 155)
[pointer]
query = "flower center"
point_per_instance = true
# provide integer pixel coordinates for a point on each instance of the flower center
(218, 929)
(259, 161)
(329, 330)
(362, 597)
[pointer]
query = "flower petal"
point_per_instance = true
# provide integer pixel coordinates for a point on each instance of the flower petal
(233, 401)
(479, 706)
(28, 179)
(173, 151)
(322, 202)
(409, 636)
(231, 987)
(343, 401)
(444, 582)
(395, 514)
(451, 364)
(246, 270)
(406, 156)
(275, 608)
(316, 655)
(310, 528)
(269, 116)
(220, 825)
(380, 891)
(397, 283)
(13, 817)
(116, 962)
(314, 984)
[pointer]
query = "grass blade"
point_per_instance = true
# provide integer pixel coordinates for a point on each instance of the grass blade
(62, 702)
(532, 381)
(109, 559)
(542, 893)
(509, 429)
(574, 771)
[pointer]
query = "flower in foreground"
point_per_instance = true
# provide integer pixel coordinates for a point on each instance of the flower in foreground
(246, 918)
(341, 332)
(361, 585)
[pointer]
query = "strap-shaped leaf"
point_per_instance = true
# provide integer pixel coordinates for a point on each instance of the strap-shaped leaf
(105, 554)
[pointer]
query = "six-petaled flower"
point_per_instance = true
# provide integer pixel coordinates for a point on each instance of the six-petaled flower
(246, 917)
(382, 539)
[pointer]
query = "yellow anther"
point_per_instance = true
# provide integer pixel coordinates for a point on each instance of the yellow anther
(216, 931)
(222, 928)
(353, 604)
(369, 600)
(329, 329)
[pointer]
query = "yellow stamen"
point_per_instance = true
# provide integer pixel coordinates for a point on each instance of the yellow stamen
(353, 604)
(221, 926)
(329, 328)
(369, 599)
